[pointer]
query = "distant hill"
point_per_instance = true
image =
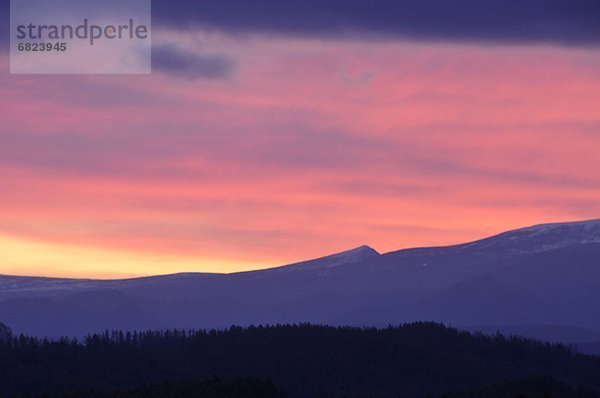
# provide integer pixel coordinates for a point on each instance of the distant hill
(530, 279)
(303, 361)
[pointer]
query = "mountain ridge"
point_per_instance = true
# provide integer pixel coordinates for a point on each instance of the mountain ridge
(545, 274)
(593, 224)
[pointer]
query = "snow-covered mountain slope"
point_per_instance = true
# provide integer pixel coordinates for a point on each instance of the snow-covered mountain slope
(16, 286)
(542, 237)
(547, 274)
(357, 255)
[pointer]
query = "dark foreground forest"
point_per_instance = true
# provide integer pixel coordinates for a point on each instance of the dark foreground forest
(414, 360)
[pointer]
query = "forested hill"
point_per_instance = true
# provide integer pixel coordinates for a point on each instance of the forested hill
(414, 360)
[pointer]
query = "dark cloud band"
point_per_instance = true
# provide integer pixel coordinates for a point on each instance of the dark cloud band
(513, 21)
(174, 61)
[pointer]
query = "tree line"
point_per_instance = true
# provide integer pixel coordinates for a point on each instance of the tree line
(412, 360)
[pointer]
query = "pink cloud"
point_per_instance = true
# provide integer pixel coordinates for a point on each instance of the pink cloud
(308, 148)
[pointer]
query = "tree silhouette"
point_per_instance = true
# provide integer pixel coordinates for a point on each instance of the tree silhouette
(413, 360)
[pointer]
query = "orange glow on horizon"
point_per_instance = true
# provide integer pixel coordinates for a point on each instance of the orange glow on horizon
(30, 258)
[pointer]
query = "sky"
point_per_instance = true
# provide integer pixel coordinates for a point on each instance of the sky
(271, 132)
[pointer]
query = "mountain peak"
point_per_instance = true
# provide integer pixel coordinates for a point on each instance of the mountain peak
(351, 256)
(362, 250)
